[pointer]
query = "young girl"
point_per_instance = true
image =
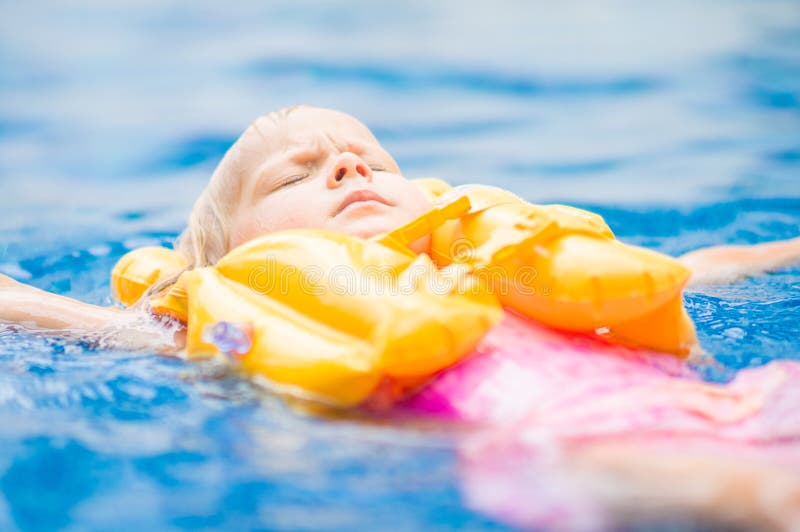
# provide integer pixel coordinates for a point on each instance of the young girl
(304, 167)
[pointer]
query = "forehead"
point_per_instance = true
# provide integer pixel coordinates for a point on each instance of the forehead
(310, 128)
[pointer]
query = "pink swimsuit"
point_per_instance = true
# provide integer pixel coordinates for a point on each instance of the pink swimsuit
(533, 394)
(538, 380)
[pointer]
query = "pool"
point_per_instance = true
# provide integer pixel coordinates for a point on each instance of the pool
(679, 123)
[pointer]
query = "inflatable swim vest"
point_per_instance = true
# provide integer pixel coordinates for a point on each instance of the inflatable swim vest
(559, 265)
(334, 317)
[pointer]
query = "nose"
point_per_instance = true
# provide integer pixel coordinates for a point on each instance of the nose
(348, 164)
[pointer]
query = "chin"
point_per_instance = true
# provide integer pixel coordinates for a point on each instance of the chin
(367, 226)
(366, 231)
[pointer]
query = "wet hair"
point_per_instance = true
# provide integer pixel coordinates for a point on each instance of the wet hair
(207, 237)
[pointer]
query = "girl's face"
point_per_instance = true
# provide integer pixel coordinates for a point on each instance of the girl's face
(320, 169)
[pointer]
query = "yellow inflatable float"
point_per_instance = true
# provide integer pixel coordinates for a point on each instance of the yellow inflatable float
(333, 317)
(559, 265)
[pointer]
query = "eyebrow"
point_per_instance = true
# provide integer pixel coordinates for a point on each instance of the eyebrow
(311, 153)
(306, 155)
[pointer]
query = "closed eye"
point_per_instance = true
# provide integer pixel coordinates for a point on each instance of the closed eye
(292, 180)
(377, 168)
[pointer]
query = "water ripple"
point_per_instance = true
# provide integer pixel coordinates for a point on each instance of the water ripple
(407, 78)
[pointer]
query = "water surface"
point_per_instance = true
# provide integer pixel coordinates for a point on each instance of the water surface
(678, 122)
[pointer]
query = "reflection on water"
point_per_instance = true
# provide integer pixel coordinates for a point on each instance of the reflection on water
(679, 122)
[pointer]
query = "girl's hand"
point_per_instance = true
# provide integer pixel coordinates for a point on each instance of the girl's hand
(40, 311)
(726, 264)
(7, 281)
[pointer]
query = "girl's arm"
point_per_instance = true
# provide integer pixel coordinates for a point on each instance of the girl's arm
(725, 264)
(37, 310)
(737, 484)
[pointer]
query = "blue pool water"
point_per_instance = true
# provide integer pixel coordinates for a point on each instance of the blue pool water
(680, 123)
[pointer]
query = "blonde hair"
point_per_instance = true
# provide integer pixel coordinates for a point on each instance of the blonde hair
(207, 236)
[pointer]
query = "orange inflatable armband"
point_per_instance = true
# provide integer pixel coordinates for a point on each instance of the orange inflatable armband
(142, 268)
(563, 267)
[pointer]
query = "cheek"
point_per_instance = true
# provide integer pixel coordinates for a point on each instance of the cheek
(410, 199)
(285, 211)
(292, 209)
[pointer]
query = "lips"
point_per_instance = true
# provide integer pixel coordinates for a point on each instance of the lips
(358, 196)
